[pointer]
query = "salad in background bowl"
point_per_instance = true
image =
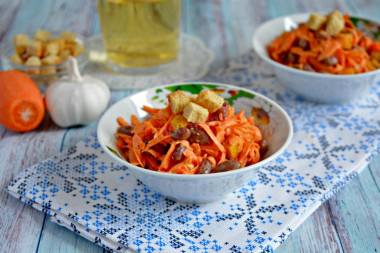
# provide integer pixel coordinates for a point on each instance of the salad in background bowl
(319, 71)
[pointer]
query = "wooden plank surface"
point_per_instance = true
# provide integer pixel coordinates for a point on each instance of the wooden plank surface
(348, 222)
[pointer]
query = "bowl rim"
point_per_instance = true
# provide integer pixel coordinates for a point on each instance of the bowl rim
(255, 42)
(202, 176)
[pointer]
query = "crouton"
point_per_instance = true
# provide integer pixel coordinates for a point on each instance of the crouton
(20, 41)
(70, 45)
(315, 21)
(193, 98)
(68, 36)
(42, 35)
(195, 113)
(178, 122)
(209, 100)
(34, 48)
(52, 48)
(77, 50)
(178, 100)
(60, 42)
(15, 58)
(33, 63)
(64, 55)
(335, 23)
(50, 60)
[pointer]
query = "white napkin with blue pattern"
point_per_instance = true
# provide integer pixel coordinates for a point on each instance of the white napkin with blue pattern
(87, 192)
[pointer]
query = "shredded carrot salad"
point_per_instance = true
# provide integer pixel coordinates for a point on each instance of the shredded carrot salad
(348, 52)
(223, 142)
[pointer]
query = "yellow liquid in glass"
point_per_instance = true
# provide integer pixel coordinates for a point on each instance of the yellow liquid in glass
(140, 33)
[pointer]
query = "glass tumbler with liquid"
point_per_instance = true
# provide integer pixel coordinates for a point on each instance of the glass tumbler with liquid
(140, 36)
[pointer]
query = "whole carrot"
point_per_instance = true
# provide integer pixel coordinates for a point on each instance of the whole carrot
(21, 104)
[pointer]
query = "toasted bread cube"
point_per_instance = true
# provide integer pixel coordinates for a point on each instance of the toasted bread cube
(195, 113)
(335, 23)
(34, 48)
(33, 63)
(20, 50)
(178, 122)
(42, 35)
(209, 100)
(70, 45)
(193, 98)
(178, 100)
(15, 58)
(64, 55)
(60, 42)
(51, 60)
(316, 21)
(52, 48)
(68, 36)
(20, 41)
(77, 50)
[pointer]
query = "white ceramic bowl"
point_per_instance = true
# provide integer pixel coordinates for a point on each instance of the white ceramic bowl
(274, 122)
(320, 87)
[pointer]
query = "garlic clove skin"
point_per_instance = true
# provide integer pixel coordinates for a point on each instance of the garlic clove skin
(95, 104)
(56, 104)
(76, 100)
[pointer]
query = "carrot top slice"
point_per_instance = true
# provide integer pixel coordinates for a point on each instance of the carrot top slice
(21, 104)
(349, 51)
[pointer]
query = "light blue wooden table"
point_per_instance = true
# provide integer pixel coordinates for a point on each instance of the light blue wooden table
(348, 222)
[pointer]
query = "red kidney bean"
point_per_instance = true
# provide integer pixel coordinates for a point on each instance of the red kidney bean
(227, 166)
(293, 58)
(302, 43)
(289, 57)
(222, 111)
(181, 134)
(178, 153)
(146, 141)
(308, 67)
(332, 60)
(263, 146)
(322, 35)
(191, 125)
(160, 148)
(205, 167)
(283, 56)
(126, 130)
(198, 135)
(150, 160)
